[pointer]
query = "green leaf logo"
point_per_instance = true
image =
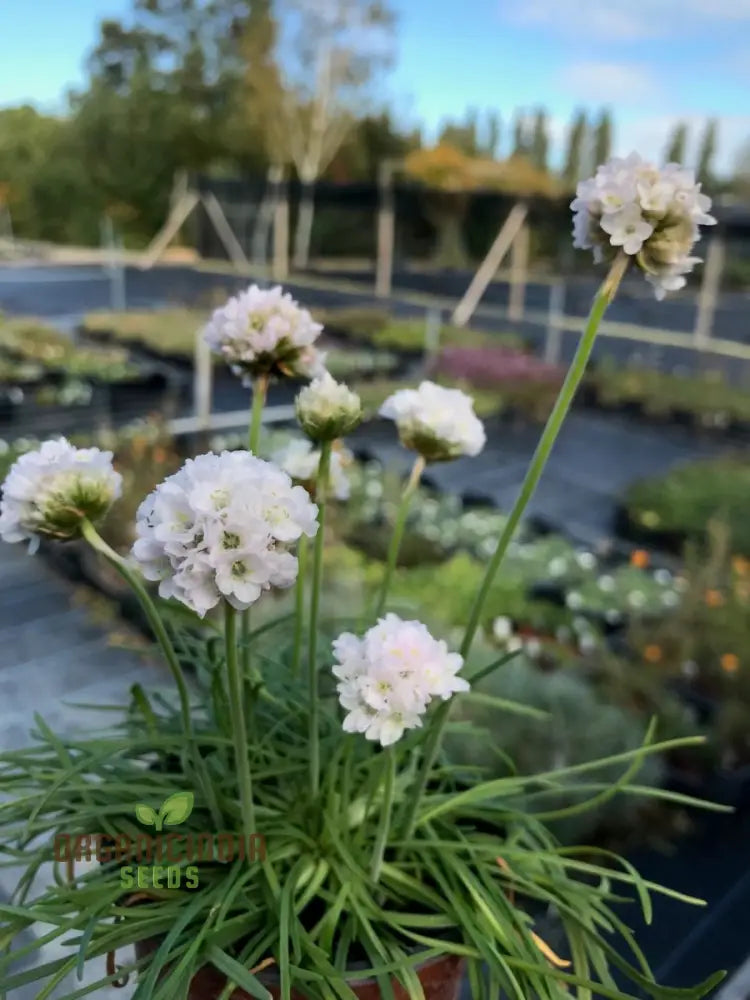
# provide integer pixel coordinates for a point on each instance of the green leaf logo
(176, 809)
(146, 814)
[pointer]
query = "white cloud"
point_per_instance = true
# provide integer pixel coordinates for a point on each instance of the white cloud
(604, 82)
(626, 20)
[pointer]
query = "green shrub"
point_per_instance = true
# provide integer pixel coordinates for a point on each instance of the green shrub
(377, 327)
(709, 398)
(166, 331)
(349, 365)
(705, 642)
(683, 502)
(361, 323)
(580, 725)
(33, 343)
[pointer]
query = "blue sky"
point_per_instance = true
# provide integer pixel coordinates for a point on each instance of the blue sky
(652, 61)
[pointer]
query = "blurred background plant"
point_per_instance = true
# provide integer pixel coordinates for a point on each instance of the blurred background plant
(669, 510)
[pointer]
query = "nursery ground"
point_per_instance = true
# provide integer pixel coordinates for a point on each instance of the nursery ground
(66, 293)
(596, 457)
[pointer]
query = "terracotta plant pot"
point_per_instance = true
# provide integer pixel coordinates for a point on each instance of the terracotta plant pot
(440, 978)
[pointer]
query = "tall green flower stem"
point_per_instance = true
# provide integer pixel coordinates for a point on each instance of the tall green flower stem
(398, 532)
(602, 301)
(299, 604)
(235, 691)
(386, 812)
(260, 392)
(324, 468)
(132, 578)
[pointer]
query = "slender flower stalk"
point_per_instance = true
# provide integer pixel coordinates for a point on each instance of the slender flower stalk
(398, 532)
(260, 392)
(600, 304)
(239, 728)
(317, 580)
(386, 813)
(554, 424)
(299, 605)
(97, 543)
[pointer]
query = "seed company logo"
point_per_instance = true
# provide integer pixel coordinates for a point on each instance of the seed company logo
(176, 809)
(183, 852)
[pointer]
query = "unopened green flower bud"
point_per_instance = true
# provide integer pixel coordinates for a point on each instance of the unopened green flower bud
(327, 409)
(49, 492)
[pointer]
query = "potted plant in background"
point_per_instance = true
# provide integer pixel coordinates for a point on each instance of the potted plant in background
(313, 852)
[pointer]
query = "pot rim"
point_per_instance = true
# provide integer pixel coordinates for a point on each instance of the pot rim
(271, 977)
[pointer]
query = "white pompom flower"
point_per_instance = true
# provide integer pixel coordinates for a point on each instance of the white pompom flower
(438, 423)
(49, 491)
(388, 678)
(327, 409)
(301, 460)
(265, 332)
(222, 527)
(652, 214)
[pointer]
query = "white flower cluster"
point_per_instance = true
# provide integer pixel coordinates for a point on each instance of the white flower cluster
(388, 678)
(300, 460)
(265, 332)
(49, 491)
(220, 528)
(438, 423)
(327, 409)
(649, 213)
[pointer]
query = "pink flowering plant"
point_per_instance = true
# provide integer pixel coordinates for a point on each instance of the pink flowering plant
(324, 735)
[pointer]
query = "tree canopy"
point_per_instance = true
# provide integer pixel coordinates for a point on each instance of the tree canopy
(233, 87)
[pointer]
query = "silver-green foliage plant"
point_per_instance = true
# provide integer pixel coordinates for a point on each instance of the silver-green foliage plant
(578, 725)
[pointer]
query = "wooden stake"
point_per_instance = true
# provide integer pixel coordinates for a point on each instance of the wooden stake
(488, 268)
(519, 272)
(386, 234)
(177, 218)
(709, 294)
(224, 231)
(555, 317)
(280, 266)
(203, 377)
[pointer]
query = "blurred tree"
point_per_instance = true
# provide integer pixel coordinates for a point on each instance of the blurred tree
(312, 83)
(159, 101)
(44, 188)
(461, 135)
(448, 173)
(520, 176)
(706, 154)
(131, 151)
(373, 139)
(603, 138)
(494, 132)
(740, 183)
(576, 152)
(676, 151)
(451, 176)
(521, 140)
(540, 140)
(472, 136)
